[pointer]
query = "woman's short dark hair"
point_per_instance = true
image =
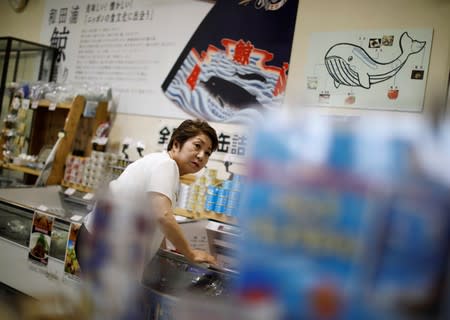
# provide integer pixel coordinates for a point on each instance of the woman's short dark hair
(191, 128)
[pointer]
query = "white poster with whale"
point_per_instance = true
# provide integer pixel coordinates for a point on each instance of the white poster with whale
(377, 69)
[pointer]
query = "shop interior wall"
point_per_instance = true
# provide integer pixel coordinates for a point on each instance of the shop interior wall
(313, 16)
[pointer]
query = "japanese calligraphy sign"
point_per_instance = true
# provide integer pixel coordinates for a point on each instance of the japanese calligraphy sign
(129, 45)
(229, 143)
(235, 65)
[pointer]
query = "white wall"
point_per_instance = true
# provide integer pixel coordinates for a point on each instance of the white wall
(313, 16)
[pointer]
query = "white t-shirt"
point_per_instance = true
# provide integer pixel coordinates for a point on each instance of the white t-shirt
(156, 172)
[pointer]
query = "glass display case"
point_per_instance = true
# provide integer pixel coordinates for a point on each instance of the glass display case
(16, 216)
(22, 60)
(18, 273)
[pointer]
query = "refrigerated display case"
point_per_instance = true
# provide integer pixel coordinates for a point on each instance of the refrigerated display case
(17, 207)
(170, 283)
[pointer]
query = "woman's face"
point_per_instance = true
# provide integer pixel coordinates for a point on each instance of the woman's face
(193, 155)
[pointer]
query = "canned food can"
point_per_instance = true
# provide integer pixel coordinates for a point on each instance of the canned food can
(227, 184)
(223, 193)
(211, 198)
(222, 201)
(219, 208)
(211, 173)
(210, 206)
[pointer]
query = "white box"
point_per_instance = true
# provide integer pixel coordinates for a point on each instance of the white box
(195, 233)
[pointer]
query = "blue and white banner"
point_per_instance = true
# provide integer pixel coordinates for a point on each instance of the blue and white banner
(234, 68)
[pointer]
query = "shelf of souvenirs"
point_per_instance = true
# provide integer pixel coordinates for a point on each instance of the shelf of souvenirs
(205, 215)
(20, 168)
(42, 103)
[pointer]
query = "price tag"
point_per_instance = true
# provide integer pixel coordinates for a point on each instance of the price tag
(16, 103)
(42, 208)
(88, 196)
(76, 217)
(34, 104)
(26, 104)
(52, 106)
(69, 191)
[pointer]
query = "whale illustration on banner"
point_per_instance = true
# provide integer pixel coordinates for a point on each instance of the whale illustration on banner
(229, 94)
(350, 65)
(230, 70)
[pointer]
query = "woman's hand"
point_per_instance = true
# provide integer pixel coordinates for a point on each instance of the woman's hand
(162, 209)
(199, 256)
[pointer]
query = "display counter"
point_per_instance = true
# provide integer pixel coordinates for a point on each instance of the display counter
(17, 207)
(169, 278)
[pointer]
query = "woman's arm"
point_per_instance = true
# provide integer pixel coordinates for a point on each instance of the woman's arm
(163, 212)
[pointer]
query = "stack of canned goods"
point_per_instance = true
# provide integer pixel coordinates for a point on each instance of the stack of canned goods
(224, 199)
(118, 167)
(183, 196)
(197, 194)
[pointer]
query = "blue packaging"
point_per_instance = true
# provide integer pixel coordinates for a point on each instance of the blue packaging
(211, 198)
(222, 196)
(210, 206)
(227, 184)
(219, 208)
(233, 196)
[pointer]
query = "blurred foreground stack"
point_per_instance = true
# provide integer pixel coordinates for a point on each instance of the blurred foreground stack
(347, 219)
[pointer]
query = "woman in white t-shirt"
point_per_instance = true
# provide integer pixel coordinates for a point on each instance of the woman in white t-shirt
(154, 180)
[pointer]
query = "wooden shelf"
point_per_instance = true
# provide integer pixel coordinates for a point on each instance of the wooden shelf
(76, 186)
(185, 213)
(23, 169)
(45, 127)
(46, 103)
(205, 215)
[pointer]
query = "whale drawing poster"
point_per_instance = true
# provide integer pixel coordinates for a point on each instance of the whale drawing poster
(235, 65)
(378, 69)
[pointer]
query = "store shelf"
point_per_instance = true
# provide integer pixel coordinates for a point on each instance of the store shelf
(46, 103)
(45, 127)
(205, 215)
(185, 213)
(76, 186)
(23, 169)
